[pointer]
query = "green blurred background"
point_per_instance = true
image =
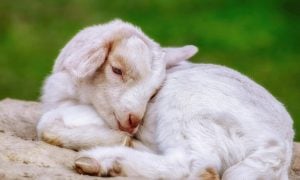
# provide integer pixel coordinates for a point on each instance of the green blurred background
(259, 38)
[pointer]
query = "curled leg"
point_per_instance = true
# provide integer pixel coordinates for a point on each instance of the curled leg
(77, 132)
(269, 161)
(124, 161)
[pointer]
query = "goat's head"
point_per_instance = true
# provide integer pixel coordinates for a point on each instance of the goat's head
(118, 69)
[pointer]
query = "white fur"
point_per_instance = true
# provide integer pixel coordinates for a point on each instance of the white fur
(209, 116)
(85, 102)
(204, 116)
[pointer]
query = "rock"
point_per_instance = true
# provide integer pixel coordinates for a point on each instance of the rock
(23, 157)
(295, 168)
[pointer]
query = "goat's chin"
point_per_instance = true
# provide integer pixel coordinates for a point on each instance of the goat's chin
(113, 125)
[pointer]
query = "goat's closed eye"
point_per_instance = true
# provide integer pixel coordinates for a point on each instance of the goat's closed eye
(117, 71)
(151, 98)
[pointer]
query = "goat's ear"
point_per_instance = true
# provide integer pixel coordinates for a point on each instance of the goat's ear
(174, 55)
(87, 51)
(82, 56)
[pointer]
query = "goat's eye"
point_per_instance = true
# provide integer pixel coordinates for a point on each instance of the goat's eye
(117, 71)
(152, 96)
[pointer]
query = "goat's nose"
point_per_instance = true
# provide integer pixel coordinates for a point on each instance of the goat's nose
(133, 121)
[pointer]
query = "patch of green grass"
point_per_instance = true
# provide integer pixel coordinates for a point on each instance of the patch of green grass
(258, 38)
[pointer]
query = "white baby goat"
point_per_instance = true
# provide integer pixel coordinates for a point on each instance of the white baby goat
(204, 118)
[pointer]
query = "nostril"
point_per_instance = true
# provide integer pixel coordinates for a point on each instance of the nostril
(130, 120)
(133, 121)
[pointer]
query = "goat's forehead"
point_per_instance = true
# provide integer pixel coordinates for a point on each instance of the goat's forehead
(133, 53)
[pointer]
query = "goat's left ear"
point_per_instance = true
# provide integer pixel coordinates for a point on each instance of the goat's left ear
(174, 55)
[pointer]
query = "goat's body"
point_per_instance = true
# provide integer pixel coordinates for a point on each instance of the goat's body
(219, 118)
(208, 116)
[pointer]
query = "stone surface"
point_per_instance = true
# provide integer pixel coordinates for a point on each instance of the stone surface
(23, 157)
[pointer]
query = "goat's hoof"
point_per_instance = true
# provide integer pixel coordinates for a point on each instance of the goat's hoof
(90, 166)
(51, 138)
(86, 165)
(116, 170)
(209, 174)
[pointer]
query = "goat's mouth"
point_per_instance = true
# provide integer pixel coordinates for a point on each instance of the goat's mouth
(129, 130)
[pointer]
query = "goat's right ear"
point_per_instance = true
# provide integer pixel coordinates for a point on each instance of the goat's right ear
(82, 56)
(174, 55)
(87, 51)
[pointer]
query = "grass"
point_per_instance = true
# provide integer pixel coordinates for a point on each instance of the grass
(258, 38)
